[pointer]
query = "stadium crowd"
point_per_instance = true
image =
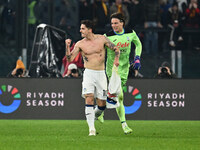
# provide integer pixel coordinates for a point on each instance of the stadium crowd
(172, 22)
(67, 14)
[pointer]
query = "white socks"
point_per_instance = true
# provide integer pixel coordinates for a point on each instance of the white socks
(89, 114)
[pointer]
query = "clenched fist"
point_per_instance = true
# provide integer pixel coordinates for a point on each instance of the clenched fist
(68, 42)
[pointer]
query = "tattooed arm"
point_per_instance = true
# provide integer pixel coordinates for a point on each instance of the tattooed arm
(71, 55)
(112, 46)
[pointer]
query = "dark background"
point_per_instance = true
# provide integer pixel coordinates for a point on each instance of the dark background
(16, 33)
(74, 104)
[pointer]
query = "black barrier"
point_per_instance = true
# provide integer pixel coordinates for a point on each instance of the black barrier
(145, 99)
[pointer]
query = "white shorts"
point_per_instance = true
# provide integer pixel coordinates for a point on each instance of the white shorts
(95, 82)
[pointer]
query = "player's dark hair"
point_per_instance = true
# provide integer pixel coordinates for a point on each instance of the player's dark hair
(119, 16)
(89, 24)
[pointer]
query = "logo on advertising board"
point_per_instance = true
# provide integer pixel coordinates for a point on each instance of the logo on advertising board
(44, 99)
(10, 99)
(136, 97)
(165, 99)
(153, 100)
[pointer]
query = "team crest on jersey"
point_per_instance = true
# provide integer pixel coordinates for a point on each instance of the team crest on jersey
(128, 38)
(85, 90)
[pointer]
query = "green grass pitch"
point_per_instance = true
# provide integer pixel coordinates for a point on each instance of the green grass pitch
(73, 134)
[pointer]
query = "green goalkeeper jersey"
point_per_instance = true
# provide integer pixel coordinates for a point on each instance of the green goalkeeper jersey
(123, 42)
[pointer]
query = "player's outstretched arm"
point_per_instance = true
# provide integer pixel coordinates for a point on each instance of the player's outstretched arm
(138, 50)
(71, 55)
(112, 46)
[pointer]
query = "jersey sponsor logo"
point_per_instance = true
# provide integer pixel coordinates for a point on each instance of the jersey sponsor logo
(122, 51)
(120, 45)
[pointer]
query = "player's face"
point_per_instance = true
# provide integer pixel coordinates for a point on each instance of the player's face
(117, 25)
(84, 30)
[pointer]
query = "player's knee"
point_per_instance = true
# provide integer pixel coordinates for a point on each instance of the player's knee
(89, 99)
(101, 103)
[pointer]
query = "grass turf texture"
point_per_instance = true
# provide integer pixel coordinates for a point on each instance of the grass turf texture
(73, 134)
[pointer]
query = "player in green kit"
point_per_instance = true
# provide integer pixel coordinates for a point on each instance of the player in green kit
(122, 39)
